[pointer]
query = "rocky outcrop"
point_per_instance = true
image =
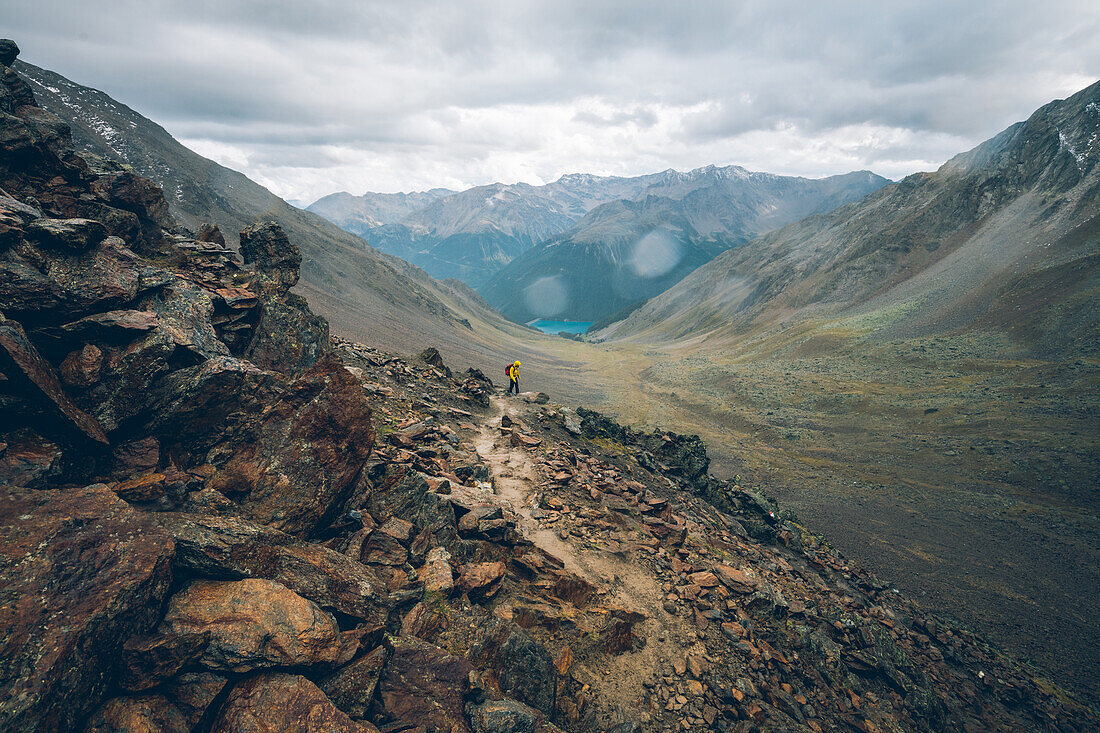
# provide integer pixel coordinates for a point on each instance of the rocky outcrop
(425, 686)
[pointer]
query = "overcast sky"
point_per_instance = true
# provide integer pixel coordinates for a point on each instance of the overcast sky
(317, 96)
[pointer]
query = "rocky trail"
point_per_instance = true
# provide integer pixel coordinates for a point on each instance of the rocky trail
(662, 636)
(216, 516)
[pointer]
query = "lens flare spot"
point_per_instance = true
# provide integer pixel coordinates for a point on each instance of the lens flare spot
(654, 255)
(546, 297)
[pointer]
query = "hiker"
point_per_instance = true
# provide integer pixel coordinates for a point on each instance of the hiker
(513, 376)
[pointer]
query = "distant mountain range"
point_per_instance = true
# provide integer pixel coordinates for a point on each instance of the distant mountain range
(1005, 236)
(471, 234)
(626, 251)
(604, 241)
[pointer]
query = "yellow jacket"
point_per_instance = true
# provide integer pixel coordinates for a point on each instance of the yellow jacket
(513, 372)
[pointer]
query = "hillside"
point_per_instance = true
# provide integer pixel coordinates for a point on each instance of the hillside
(216, 518)
(626, 251)
(362, 291)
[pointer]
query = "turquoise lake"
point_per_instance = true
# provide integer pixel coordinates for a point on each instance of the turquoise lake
(558, 326)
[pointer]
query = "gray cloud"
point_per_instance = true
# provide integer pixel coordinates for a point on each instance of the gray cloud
(341, 94)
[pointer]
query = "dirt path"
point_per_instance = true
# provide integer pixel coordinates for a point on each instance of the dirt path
(628, 584)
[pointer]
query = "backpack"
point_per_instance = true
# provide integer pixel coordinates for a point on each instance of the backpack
(508, 371)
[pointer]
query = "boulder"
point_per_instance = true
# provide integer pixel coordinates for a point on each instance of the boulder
(81, 368)
(422, 685)
(192, 693)
(570, 421)
(265, 247)
(210, 233)
(519, 666)
(287, 336)
(739, 580)
(142, 714)
(8, 51)
(403, 492)
(189, 408)
(113, 323)
(148, 660)
(381, 548)
(507, 716)
(432, 358)
(29, 460)
(352, 687)
(72, 283)
(80, 572)
(282, 702)
(308, 449)
(480, 581)
(75, 234)
(231, 548)
(142, 488)
(135, 457)
(436, 573)
(173, 329)
(252, 624)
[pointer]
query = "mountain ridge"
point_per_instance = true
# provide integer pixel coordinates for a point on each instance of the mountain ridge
(844, 258)
(472, 234)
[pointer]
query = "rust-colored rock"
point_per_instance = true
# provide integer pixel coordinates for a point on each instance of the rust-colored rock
(422, 685)
(482, 580)
(142, 488)
(149, 660)
(113, 323)
(423, 621)
(283, 702)
(265, 247)
(192, 693)
(436, 573)
(81, 368)
(80, 572)
(252, 624)
(76, 234)
(352, 687)
(310, 445)
(232, 548)
(136, 457)
(141, 714)
(29, 460)
(381, 548)
(738, 580)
